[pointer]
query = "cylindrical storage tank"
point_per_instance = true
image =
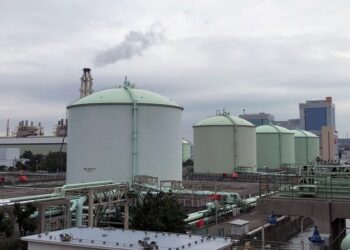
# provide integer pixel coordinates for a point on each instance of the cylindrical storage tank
(274, 147)
(224, 144)
(186, 150)
(118, 133)
(307, 147)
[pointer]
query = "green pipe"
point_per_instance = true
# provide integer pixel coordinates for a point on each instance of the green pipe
(79, 211)
(134, 126)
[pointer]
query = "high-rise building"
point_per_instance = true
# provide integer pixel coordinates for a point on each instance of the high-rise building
(258, 119)
(318, 115)
(289, 124)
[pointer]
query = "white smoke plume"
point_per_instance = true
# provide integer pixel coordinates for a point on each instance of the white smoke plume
(134, 43)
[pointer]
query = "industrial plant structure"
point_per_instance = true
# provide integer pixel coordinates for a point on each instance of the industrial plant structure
(224, 144)
(275, 147)
(86, 83)
(122, 132)
(61, 128)
(307, 147)
(25, 129)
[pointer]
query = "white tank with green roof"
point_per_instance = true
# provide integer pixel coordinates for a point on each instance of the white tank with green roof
(186, 150)
(122, 132)
(224, 144)
(274, 147)
(307, 147)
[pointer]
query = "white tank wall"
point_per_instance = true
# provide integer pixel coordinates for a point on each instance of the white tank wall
(306, 149)
(275, 150)
(100, 143)
(214, 149)
(159, 144)
(246, 148)
(186, 151)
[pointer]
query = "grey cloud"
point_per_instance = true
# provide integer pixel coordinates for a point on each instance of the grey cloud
(134, 43)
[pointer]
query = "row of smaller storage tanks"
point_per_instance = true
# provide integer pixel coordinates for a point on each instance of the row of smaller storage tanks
(225, 143)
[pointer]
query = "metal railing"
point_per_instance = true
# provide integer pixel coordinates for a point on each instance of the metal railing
(326, 186)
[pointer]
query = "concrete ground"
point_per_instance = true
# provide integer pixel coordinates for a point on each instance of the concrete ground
(13, 192)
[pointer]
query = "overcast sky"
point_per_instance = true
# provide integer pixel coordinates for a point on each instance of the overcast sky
(261, 56)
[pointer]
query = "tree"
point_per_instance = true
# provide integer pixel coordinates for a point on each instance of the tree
(6, 225)
(27, 155)
(22, 214)
(34, 160)
(20, 166)
(56, 161)
(158, 212)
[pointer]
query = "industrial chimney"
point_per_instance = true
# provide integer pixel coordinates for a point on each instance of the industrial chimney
(86, 83)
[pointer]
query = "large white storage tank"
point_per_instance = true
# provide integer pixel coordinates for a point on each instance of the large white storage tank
(122, 132)
(224, 144)
(307, 147)
(186, 150)
(274, 147)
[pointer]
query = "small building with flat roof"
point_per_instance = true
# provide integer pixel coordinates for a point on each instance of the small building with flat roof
(239, 227)
(84, 238)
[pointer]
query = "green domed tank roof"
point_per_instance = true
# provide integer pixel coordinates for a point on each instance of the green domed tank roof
(345, 244)
(223, 120)
(122, 96)
(272, 129)
(303, 133)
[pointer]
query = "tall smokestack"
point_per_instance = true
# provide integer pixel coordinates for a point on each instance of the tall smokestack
(86, 83)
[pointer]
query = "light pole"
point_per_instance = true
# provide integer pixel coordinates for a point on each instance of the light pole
(302, 233)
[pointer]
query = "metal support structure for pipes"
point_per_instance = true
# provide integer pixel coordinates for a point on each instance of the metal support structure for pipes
(91, 208)
(126, 216)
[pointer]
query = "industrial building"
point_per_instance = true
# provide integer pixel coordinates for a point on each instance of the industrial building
(37, 144)
(316, 114)
(258, 119)
(289, 124)
(98, 238)
(275, 147)
(122, 132)
(224, 144)
(307, 147)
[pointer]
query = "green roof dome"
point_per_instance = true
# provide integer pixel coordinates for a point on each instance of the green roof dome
(345, 244)
(223, 120)
(303, 133)
(122, 96)
(273, 129)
